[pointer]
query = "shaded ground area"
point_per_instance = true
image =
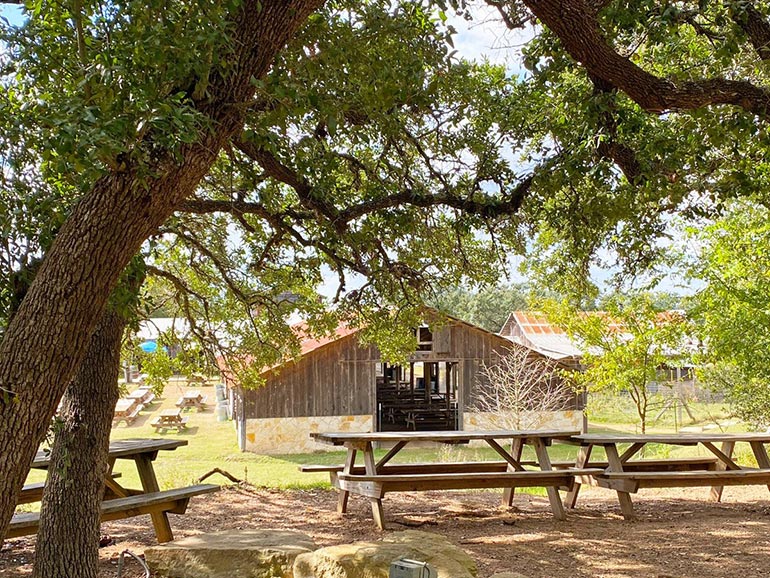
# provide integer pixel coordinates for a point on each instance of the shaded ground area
(678, 533)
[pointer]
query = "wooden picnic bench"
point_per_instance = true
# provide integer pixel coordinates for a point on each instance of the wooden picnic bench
(154, 503)
(169, 419)
(123, 502)
(192, 399)
(126, 410)
(436, 417)
(142, 395)
(627, 476)
(375, 478)
(674, 464)
(33, 492)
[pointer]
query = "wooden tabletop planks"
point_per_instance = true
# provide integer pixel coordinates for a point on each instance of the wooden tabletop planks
(340, 438)
(674, 439)
(123, 449)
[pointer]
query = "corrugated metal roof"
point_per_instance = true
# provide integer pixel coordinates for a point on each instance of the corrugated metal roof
(551, 340)
(308, 343)
(536, 323)
(554, 346)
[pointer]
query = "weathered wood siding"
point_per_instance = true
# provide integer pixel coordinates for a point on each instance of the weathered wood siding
(336, 379)
(474, 348)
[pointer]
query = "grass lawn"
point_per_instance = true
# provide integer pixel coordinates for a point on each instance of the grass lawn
(618, 413)
(212, 444)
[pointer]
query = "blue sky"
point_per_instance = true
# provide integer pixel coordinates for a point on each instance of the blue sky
(11, 13)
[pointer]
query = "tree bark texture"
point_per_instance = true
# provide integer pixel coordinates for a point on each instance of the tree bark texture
(48, 337)
(68, 538)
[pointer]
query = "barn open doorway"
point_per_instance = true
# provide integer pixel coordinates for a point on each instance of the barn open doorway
(419, 397)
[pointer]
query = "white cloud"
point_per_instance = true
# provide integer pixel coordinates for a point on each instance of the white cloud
(487, 38)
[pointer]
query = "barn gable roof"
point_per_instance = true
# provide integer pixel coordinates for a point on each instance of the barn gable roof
(309, 343)
(533, 330)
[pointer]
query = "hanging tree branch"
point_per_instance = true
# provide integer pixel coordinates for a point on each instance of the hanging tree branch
(576, 25)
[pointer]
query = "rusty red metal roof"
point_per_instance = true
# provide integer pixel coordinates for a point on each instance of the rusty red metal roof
(536, 332)
(536, 323)
(310, 343)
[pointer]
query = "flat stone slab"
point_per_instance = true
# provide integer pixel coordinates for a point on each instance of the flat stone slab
(230, 554)
(373, 559)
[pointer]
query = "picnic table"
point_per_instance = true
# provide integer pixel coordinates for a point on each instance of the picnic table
(626, 475)
(142, 395)
(375, 478)
(192, 398)
(126, 410)
(120, 502)
(169, 419)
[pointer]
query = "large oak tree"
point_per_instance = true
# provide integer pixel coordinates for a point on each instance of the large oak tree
(636, 110)
(323, 175)
(48, 336)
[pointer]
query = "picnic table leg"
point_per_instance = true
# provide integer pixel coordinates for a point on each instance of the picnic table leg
(150, 484)
(584, 454)
(342, 498)
(553, 493)
(371, 470)
(715, 495)
(111, 484)
(615, 465)
(516, 446)
(763, 461)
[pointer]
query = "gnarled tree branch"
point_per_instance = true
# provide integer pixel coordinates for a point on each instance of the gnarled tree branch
(279, 171)
(578, 29)
(754, 25)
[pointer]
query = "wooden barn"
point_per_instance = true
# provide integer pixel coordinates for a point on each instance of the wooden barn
(337, 384)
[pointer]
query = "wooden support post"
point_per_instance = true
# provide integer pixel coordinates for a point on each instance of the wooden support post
(150, 484)
(715, 495)
(615, 465)
(631, 452)
(517, 444)
(763, 461)
(448, 374)
(553, 493)
(584, 454)
(371, 470)
(342, 498)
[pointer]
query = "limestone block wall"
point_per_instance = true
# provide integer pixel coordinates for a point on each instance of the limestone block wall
(291, 435)
(566, 420)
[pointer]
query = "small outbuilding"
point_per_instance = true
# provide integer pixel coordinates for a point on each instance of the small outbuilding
(338, 384)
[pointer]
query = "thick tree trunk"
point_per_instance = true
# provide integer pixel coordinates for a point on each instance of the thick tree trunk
(68, 539)
(47, 338)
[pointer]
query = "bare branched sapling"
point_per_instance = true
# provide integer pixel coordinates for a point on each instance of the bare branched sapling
(520, 388)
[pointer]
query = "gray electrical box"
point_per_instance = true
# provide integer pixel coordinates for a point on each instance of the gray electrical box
(404, 568)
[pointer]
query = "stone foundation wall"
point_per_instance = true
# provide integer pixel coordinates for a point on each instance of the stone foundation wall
(566, 420)
(291, 435)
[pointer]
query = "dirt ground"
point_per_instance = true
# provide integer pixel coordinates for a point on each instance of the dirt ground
(677, 534)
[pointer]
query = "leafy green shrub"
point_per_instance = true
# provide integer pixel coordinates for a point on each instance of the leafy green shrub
(749, 397)
(159, 369)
